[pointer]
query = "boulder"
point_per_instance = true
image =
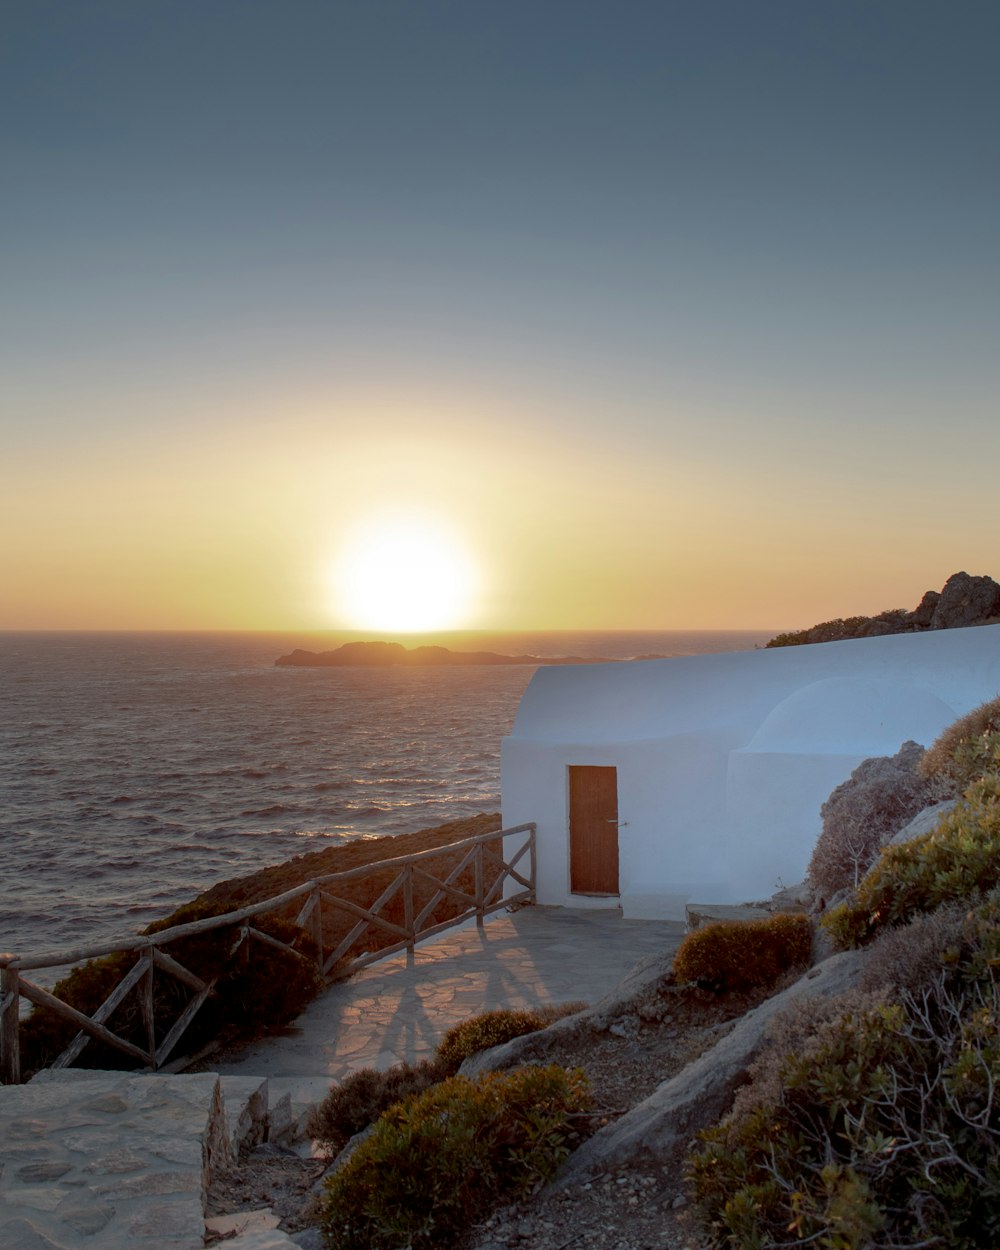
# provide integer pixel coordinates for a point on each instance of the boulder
(966, 600)
(923, 822)
(628, 999)
(923, 614)
(661, 1127)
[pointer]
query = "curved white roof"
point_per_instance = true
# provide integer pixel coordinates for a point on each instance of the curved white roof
(926, 675)
(851, 716)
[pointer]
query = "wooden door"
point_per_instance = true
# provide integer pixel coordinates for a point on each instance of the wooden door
(593, 830)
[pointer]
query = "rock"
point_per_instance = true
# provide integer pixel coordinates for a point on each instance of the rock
(308, 1239)
(662, 1126)
(923, 614)
(966, 600)
(792, 898)
(923, 822)
(627, 1027)
(628, 998)
(239, 1222)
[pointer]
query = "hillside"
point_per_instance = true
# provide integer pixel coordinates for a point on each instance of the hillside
(964, 600)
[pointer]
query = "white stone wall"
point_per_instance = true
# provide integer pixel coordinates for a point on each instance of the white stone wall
(724, 761)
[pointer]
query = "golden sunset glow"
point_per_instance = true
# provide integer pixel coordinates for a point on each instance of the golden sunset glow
(402, 573)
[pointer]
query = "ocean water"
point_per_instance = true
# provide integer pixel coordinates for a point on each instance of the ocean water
(137, 769)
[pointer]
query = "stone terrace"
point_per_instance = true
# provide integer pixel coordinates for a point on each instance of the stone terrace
(102, 1160)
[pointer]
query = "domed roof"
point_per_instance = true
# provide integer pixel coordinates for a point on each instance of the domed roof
(852, 716)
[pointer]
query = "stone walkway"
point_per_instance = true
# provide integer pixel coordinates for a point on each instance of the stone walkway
(115, 1160)
(399, 1008)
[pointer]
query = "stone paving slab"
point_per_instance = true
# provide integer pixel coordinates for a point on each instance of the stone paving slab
(108, 1159)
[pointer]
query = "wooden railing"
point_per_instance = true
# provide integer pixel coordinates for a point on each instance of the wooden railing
(483, 856)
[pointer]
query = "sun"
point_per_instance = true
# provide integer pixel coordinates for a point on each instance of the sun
(402, 573)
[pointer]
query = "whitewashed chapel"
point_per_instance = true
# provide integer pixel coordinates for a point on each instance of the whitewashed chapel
(662, 782)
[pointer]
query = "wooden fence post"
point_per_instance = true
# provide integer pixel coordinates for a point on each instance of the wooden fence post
(146, 1007)
(478, 869)
(10, 1025)
(408, 908)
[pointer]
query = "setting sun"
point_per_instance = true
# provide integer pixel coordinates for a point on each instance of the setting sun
(403, 573)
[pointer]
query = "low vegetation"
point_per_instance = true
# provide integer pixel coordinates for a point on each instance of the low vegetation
(358, 1101)
(891, 621)
(958, 860)
(258, 987)
(741, 955)
(966, 749)
(440, 1160)
(882, 1127)
(874, 1123)
(492, 1028)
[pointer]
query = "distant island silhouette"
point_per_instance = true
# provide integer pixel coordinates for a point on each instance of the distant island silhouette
(392, 654)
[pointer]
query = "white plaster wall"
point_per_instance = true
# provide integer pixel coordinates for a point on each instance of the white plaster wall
(671, 809)
(724, 761)
(773, 804)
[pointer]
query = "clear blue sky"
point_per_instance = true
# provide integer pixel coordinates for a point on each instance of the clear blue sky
(677, 313)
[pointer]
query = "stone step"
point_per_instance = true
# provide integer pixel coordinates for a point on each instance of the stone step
(116, 1159)
(110, 1159)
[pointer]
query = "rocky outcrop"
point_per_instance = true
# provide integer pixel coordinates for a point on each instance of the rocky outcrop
(661, 1127)
(965, 600)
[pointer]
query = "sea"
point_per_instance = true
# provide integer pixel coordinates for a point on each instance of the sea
(137, 769)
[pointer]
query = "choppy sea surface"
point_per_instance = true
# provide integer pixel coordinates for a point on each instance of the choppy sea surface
(137, 769)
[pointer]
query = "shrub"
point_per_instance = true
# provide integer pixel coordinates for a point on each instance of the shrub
(966, 749)
(364, 1095)
(909, 956)
(862, 814)
(882, 1128)
(958, 860)
(741, 954)
(492, 1028)
(254, 991)
(439, 1161)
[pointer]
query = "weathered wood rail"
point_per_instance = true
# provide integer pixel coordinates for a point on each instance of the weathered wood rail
(492, 859)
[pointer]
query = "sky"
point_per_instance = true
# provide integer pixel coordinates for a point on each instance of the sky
(498, 314)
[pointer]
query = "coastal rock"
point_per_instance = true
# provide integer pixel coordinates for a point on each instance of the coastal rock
(924, 612)
(661, 1127)
(966, 600)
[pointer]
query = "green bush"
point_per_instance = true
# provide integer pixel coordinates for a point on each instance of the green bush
(258, 987)
(966, 749)
(960, 859)
(364, 1095)
(742, 954)
(882, 1130)
(439, 1161)
(492, 1028)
